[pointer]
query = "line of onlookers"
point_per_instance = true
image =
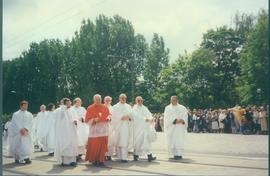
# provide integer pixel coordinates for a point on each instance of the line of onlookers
(244, 120)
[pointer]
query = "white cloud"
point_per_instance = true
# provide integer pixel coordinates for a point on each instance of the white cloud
(180, 22)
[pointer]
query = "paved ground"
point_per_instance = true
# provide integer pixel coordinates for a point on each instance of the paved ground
(206, 154)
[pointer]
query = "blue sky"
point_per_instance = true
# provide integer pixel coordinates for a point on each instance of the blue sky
(181, 22)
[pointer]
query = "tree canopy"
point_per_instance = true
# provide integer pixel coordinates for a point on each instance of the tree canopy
(108, 57)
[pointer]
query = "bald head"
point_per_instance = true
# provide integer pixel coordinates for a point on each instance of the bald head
(174, 100)
(122, 98)
(97, 99)
(42, 108)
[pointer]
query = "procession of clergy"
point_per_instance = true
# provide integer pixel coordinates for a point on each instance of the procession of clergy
(100, 132)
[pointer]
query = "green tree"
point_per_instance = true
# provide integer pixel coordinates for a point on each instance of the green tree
(253, 84)
(225, 44)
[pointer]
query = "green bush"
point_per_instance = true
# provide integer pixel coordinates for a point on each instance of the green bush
(6, 117)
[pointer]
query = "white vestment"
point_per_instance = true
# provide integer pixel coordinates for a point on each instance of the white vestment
(175, 132)
(34, 133)
(21, 146)
(142, 130)
(7, 138)
(82, 128)
(110, 146)
(66, 142)
(121, 131)
(50, 131)
(41, 127)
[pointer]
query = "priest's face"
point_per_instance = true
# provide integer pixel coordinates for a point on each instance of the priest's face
(122, 99)
(68, 104)
(108, 101)
(24, 107)
(174, 100)
(42, 108)
(97, 100)
(78, 103)
(139, 101)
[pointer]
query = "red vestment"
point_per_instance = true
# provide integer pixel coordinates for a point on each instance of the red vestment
(98, 134)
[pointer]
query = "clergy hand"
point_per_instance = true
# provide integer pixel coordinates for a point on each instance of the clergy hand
(125, 117)
(147, 120)
(24, 132)
(180, 121)
(108, 118)
(81, 119)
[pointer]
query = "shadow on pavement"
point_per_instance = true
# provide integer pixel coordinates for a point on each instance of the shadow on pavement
(13, 165)
(94, 169)
(57, 169)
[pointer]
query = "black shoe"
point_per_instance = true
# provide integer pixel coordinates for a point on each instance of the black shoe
(41, 149)
(135, 157)
(73, 164)
(101, 164)
(17, 161)
(95, 163)
(51, 154)
(124, 161)
(177, 157)
(108, 158)
(151, 158)
(78, 158)
(27, 161)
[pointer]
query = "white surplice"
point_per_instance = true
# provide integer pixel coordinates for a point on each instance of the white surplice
(66, 139)
(82, 128)
(41, 128)
(142, 130)
(175, 132)
(121, 130)
(50, 131)
(21, 146)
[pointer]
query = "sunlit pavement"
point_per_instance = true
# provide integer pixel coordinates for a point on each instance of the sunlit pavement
(206, 154)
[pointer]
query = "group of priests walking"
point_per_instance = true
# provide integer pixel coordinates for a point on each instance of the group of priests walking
(98, 132)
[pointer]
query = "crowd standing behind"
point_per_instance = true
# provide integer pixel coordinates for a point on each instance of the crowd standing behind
(102, 131)
(243, 120)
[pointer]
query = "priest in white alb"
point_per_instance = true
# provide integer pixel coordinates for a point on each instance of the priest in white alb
(50, 131)
(121, 128)
(109, 154)
(143, 130)
(66, 143)
(41, 128)
(175, 123)
(82, 128)
(20, 134)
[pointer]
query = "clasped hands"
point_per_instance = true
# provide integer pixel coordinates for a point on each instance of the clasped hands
(24, 132)
(179, 121)
(125, 117)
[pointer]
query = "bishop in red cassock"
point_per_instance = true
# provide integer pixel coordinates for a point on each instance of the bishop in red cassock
(97, 117)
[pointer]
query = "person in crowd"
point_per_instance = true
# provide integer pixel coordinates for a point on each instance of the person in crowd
(214, 122)
(256, 120)
(20, 134)
(41, 128)
(97, 116)
(263, 120)
(82, 128)
(50, 131)
(142, 130)
(175, 123)
(66, 138)
(122, 128)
